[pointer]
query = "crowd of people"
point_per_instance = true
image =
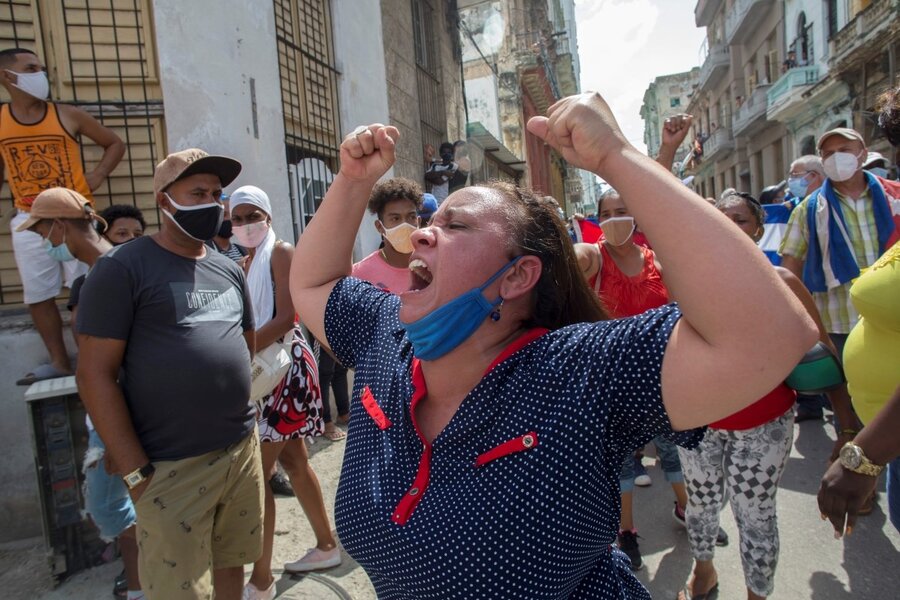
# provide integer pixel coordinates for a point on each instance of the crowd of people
(505, 380)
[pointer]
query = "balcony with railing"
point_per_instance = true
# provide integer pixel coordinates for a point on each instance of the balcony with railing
(719, 143)
(705, 11)
(751, 115)
(744, 17)
(715, 65)
(867, 25)
(786, 96)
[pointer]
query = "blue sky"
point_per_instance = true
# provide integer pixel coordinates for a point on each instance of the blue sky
(624, 44)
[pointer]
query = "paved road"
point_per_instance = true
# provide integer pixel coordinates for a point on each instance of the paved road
(813, 564)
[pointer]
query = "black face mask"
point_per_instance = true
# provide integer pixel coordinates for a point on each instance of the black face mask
(225, 229)
(197, 222)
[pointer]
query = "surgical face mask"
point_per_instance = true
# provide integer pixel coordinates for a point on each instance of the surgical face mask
(617, 230)
(841, 166)
(400, 237)
(59, 253)
(798, 186)
(445, 328)
(33, 84)
(251, 235)
(878, 172)
(225, 229)
(199, 222)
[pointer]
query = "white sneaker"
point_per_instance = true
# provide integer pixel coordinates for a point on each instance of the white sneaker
(251, 592)
(643, 480)
(315, 560)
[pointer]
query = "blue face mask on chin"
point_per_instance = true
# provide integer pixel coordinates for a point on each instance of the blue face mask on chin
(59, 253)
(445, 328)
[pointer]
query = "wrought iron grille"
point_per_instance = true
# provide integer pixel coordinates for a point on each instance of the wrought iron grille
(309, 95)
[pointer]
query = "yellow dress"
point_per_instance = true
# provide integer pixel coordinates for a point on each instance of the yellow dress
(872, 352)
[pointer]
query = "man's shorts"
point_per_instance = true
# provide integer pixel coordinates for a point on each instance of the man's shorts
(199, 514)
(42, 276)
(106, 499)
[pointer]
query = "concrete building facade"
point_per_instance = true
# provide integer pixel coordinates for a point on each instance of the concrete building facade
(519, 57)
(666, 96)
(743, 54)
(422, 66)
(811, 101)
(777, 74)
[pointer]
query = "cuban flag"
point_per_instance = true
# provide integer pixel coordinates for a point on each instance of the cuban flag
(777, 216)
(586, 231)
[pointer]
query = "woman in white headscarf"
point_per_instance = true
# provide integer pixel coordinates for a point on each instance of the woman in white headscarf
(292, 411)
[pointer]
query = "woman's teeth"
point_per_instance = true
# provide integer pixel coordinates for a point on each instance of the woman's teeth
(420, 270)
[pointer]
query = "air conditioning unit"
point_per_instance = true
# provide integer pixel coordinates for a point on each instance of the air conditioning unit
(60, 439)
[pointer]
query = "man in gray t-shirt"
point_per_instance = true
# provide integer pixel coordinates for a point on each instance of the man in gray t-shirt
(176, 317)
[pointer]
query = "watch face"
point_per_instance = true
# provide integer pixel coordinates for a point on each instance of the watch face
(851, 457)
(134, 478)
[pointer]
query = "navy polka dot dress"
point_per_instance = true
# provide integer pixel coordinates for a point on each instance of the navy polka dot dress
(518, 497)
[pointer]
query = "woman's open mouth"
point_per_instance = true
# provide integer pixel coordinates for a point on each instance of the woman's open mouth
(420, 275)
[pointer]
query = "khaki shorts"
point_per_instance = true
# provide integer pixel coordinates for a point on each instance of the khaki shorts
(199, 514)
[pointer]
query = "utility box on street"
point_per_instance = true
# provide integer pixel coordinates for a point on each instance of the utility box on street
(60, 439)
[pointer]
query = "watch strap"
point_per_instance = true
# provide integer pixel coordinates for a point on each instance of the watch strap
(138, 476)
(866, 466)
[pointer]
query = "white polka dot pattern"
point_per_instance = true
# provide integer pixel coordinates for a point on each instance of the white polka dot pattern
(534, 524)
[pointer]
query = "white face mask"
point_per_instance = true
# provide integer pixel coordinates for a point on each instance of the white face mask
(251, 235)
(399, 237)
(841, 166)
(617, 230)
(33, 84)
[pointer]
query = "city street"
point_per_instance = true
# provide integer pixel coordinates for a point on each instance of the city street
(505, 168)
(813, 564)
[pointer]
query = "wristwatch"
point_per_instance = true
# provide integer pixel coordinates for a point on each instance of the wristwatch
(854, 459)
(137, 477)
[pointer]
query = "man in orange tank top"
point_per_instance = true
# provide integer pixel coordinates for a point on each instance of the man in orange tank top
(39, 149)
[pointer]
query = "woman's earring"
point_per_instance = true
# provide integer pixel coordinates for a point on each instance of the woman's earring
(495, 314)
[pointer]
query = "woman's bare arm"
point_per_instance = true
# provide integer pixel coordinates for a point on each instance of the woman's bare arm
(325, 250)
(742, 330)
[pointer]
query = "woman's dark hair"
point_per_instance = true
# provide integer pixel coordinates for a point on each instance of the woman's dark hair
(607, 193)
(768, 195)
(396, 188)
(122, 211)
(752, 203)
(888, 107)
(562, 296)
